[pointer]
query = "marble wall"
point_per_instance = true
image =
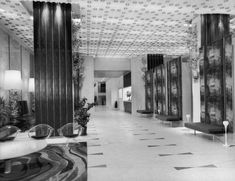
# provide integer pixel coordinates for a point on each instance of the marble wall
(87, 89)
(14, 56)
(137, 83)
(186, 90)
(112, 87)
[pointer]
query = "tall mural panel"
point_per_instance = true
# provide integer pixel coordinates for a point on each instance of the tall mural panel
(149, 90)
(160, 94)
(214, 84)
(217, 83)
(174, 87)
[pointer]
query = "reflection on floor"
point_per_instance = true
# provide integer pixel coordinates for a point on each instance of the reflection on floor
(126, 147)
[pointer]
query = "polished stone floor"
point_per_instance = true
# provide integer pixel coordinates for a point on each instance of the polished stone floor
(122, 147)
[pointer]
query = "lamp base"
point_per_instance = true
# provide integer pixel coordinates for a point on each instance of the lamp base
(226, 145)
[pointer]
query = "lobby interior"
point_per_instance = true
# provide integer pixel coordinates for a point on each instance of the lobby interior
(117, 90)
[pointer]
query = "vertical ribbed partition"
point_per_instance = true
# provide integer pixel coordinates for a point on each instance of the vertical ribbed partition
(53, 63)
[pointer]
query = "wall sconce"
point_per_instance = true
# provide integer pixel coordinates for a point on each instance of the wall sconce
(31, 85)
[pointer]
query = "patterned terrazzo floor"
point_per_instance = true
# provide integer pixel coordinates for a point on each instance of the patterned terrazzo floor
(143, 149)
(122, 147)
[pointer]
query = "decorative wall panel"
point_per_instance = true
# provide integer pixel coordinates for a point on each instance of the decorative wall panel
(174, 86)
(15, 55)
(53, 63)
(160, 93)
(202, 86)
(217, 83)
(214, 84)
(149, 90)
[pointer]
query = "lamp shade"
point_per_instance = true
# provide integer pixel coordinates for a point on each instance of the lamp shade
(31, 84)
(12, 79)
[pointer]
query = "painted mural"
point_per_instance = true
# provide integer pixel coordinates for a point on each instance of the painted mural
(216, 83)
(174, 87)
(160, 93)
(149, 90)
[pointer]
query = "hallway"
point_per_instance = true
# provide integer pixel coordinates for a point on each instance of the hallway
(126, 147)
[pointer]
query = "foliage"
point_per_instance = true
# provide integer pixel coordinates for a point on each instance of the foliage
(193, 47)
(4, 112)
(14, 96)
(78, 68)
(81, 108)
(78, 61)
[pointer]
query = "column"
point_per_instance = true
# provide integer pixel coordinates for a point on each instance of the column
(53, 64)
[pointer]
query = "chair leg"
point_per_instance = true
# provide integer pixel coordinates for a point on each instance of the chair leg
(194, 132)
(7, 167)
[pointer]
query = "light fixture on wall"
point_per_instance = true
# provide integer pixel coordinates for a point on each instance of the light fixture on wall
(13, 83)
(31, 85)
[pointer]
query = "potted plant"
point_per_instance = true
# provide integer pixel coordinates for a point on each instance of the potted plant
(81, 115)
(4, 112)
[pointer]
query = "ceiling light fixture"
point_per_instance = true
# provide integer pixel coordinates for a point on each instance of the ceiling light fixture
(77, 20)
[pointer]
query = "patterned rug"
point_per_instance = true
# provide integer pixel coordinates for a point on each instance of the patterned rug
(60, 162)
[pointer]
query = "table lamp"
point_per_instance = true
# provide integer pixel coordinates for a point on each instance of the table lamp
(12, 80)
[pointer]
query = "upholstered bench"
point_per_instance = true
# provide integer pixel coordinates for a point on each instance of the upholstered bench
(145, 111)
(205, 128)
(168, 118)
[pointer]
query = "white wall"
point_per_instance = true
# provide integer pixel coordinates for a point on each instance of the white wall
(112, 87)
(18, 59)
(186, 90)
(137, 83)
(88, 83)
(112, 64)
(196, 102)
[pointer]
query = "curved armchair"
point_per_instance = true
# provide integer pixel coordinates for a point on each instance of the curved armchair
(8, 132)
(40, 131)
(70, 130)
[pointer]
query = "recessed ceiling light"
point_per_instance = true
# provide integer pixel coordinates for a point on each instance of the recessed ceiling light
(77, 20)
(2, 10)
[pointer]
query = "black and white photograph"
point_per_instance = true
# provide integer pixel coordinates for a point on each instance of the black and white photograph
(117, 90)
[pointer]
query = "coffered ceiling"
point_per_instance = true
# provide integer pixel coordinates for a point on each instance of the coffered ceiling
(124, 28)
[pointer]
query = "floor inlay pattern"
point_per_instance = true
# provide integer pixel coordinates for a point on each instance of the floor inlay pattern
(136, 148)
(98, 166)
(96, 154)
(203, 166)
(187, 153)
